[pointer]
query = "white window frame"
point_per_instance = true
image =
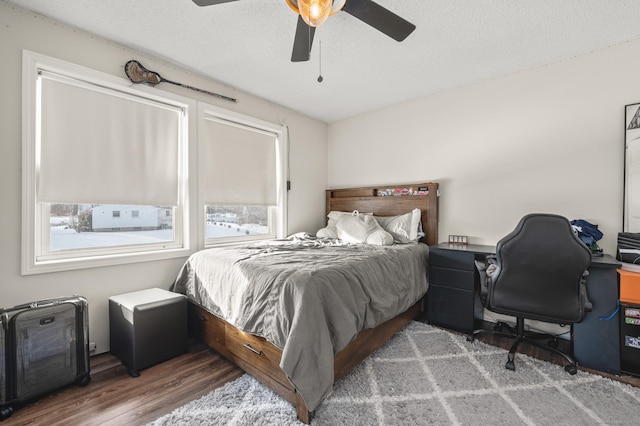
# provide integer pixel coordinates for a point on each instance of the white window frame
(277, 214)
(35, 215)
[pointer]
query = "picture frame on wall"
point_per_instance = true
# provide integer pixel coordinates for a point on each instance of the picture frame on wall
(631, 210)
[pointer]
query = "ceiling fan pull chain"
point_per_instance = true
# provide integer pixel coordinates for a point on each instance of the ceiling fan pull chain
(320, 59)
(310, 40)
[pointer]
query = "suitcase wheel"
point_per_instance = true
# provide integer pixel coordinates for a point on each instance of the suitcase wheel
(5, 413)
(84, 380)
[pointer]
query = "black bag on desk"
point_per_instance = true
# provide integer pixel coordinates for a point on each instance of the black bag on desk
(628, 247)
(44, 345)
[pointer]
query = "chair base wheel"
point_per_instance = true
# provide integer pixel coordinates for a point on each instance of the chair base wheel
(510, 365)
(470, 338)
(571, 369)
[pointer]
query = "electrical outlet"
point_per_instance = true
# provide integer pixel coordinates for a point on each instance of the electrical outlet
(92, 346)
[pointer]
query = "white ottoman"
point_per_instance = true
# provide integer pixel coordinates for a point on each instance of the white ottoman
(147, 327)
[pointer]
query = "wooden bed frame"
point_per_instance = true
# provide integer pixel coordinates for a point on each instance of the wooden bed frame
(261, 359)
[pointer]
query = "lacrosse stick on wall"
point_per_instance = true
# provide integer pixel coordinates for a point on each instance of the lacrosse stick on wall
(139, 74)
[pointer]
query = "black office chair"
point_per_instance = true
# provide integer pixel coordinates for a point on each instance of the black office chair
(539, 272)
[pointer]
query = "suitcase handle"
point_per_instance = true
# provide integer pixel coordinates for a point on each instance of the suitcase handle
(38, 304)
(45, 302)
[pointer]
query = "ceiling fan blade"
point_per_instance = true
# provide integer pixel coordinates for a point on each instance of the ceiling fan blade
(303, 41)
(379, 18)
(211, 2)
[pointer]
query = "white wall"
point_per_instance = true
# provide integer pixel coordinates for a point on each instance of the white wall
(24, 30)
(546, 140)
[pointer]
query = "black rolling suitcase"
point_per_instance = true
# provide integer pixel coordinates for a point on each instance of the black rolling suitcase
(44, 345)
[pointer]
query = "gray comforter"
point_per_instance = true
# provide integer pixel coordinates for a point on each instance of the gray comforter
(308, 296)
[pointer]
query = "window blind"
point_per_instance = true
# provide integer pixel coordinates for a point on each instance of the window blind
(239, 164)
(99, 145)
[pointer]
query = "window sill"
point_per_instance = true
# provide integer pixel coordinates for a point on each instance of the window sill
(59, 265)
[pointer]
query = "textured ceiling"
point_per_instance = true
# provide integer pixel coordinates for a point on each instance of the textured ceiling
(247, 44)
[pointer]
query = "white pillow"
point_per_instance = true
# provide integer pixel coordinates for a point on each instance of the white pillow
(359, 228)
(379, 237)
(328, 232)
(335, 215)
(404, 228)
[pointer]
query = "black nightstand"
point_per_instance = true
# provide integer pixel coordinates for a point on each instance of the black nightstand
(452, 299)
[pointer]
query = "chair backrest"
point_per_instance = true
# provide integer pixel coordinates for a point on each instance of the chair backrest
(540, 267)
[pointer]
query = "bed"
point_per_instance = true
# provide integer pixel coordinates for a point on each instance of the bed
(301, 312)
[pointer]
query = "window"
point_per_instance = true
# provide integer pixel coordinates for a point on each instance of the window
(87, 137)
(243, 176)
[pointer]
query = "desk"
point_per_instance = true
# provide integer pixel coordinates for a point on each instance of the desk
(453, 301)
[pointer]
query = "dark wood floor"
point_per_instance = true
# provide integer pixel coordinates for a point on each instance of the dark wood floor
(114, 398)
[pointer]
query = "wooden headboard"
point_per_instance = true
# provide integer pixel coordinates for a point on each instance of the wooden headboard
(387, 200)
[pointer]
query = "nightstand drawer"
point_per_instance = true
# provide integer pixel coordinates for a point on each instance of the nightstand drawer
(452, 278)
(452, 259)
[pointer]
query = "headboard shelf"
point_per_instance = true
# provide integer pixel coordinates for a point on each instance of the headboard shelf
(390, 198)
(405, 190)
(372, 200)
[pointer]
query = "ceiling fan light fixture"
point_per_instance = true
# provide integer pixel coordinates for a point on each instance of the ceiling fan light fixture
(315, 12)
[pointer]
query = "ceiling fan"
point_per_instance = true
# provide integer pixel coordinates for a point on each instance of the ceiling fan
(367, 11)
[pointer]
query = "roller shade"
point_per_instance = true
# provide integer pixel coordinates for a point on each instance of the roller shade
(239, 164)
(99, 145)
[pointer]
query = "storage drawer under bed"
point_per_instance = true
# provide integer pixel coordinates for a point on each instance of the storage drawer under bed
(246, 350)
(256, 350)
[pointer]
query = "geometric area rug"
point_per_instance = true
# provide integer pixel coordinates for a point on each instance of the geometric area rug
(428, 376)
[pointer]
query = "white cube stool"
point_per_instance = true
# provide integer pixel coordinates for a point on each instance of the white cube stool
(147, 327)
